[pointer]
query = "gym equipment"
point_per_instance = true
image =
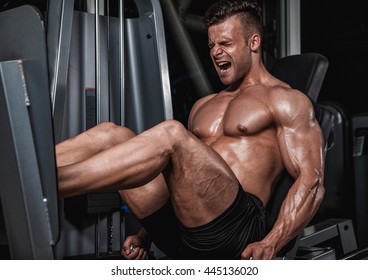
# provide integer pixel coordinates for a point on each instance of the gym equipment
(360, 159)
(339, 196)
(109, 58)
(321, 233)
(132, 49)
(29, 189)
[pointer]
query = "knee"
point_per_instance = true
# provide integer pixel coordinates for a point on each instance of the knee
(113, 133)
(174, 129)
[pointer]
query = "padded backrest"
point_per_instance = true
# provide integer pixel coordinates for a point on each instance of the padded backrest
(306, 73)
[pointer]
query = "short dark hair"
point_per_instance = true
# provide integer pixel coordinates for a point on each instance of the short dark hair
(248, 11)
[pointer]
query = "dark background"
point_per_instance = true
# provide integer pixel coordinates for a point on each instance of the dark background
(339, 30)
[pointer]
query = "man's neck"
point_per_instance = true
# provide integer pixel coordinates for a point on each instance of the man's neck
(258, 75)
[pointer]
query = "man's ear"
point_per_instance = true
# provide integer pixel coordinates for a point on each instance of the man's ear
(255, 42)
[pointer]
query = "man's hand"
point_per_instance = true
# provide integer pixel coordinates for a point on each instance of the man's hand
(259, 251)
(134, 249)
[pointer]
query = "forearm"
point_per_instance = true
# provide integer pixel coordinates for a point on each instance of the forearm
(298, 208)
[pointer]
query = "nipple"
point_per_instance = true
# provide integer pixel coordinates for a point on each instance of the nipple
(242, 128)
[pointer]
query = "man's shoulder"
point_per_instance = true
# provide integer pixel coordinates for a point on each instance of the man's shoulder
(289, 104)
(278, 88)
(274, 94)
(280, 93)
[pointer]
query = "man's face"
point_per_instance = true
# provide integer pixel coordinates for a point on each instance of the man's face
(228, 49)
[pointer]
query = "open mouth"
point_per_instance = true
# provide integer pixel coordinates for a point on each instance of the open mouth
(223, 65)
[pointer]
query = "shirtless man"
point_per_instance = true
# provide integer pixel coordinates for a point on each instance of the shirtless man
(219, 175)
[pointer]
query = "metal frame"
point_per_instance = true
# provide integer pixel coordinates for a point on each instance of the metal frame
(135, 92)
(329, 229)
(32, 133)
(59, 27)
(25, 208)
(360, 163)
(290, 27)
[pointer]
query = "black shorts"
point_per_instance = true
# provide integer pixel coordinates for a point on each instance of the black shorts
(244, 222)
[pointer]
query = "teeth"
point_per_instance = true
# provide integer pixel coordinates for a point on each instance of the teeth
(223, 65)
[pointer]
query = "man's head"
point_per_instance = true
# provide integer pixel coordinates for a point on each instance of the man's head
(248, 11)
(234, 39)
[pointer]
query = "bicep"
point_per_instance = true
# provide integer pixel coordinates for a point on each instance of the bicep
(301, 140)
(302, 150)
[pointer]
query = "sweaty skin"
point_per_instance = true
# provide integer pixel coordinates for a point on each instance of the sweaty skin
(247, 133)
(260, 126)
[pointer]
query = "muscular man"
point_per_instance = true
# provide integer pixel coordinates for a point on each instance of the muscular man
(218, 176)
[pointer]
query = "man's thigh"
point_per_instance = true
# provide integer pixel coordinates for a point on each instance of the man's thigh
(201, 184)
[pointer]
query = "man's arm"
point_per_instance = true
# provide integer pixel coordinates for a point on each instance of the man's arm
(301, 146)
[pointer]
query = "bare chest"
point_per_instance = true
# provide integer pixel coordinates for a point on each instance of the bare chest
(239, 116)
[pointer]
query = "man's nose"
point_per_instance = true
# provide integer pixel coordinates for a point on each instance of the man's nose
(217, 51)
